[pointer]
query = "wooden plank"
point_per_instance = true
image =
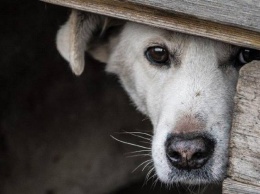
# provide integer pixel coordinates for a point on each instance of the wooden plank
(242, 13)
(233, 187)
(245, 134)
(186, 24)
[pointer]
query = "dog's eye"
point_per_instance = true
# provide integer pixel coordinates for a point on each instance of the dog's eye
(157, 55)
(248, 55)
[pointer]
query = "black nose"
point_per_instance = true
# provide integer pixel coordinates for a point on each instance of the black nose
(188, 153)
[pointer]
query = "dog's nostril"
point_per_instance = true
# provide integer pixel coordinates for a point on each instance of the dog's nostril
(174, 155)
(189, 153)
(199, 155)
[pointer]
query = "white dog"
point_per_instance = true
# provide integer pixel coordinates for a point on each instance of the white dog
(184, 84)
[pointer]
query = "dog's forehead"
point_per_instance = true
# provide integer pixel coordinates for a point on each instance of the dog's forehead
(145, 35)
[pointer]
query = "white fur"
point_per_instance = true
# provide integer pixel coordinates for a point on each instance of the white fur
(165, 94)
(169, 94)
(63, 41)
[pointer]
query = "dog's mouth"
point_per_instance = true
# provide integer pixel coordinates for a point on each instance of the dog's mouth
(197, 176)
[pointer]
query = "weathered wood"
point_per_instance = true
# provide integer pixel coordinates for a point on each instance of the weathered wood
(172, 21)
(245, 135)
(242, 13)
(234, 187)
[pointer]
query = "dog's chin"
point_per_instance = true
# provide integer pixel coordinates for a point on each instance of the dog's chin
(193, 177)
(208, 174)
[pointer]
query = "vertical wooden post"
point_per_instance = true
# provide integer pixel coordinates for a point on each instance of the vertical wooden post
(244, 169)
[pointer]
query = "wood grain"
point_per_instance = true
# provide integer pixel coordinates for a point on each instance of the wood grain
(234, 187)
(245, 134)
(242, 13)
(172, 21)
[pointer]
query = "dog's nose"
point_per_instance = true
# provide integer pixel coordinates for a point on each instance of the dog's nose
(189, 153)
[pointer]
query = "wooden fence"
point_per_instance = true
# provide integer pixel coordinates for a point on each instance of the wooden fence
(244, 169)
(232, 21)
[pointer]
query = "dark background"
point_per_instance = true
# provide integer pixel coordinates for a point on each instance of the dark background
(45, 110)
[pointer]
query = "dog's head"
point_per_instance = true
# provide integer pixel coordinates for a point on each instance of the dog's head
(185, 84)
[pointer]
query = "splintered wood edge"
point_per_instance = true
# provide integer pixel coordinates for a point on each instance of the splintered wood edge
(171, 21)
(234, 187)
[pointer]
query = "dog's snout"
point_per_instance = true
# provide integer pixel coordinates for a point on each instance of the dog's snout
(189, 153)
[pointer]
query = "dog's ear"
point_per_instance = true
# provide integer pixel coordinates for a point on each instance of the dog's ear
(78, 33)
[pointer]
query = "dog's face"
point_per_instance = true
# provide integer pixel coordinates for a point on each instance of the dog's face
(185, 85)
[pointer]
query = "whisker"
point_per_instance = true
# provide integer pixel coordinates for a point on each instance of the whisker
(145, 119)
(148, 174)
(147, 161)
(151, 177)
(137, 132)
(177, 185)
(149, 139)
(134, 134)
(146, 177)
(145, 142)
(154, 183)
(139, 151)
(191, 189)
(147, 165)
(204, 188)
(137, 155)
(132, 144)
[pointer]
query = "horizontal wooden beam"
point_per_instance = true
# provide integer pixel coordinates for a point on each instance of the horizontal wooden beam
(169, 20)
(242, 13)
